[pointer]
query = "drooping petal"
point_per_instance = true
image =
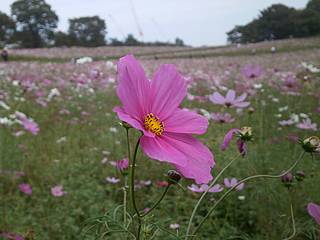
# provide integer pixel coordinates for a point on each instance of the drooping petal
(217, 98)
(168, 88)
(241, 98)
(226, 182)
(314, 211)
(190, 157)
(227, 138)
(135, 123)
(184, 121)
(242, 147)
(231, 95)
(241, 104)
(133, 87)
(216, 188)
(233, 182)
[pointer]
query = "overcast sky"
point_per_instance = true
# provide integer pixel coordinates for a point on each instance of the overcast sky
(197, 22)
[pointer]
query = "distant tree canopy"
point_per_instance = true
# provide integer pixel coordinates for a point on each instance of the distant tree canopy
(279, 22)
(87, 31)
(33, 25)
(35, 22)
(7, 28)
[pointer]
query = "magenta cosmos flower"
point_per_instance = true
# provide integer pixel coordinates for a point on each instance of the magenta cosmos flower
(25, 188)
(153, 108)
(314, 211)
(230, 100)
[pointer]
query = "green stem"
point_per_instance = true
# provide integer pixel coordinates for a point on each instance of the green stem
(158, 202)
(125, 200)
(243, 181)
(293, 225)
(206, 192)
(132, 190)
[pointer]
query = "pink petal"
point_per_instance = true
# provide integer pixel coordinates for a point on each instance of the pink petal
(314, 211)
(133, 87)
(233, 182)
(241, 98)
(216, 188)
(226, 182)
(241, 104)
(227, 138)
(191, 158)
(231, 95)
(168, 88)
(136, 123)
(217, 98)
(240, 187)
(184, 121)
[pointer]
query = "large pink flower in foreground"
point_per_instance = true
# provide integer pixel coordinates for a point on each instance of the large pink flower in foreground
(153, 108)
(314, 211)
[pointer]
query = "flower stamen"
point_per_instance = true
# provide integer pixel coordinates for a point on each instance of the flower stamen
(153, 124)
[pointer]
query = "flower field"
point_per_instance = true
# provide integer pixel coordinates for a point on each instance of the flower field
(64, 170)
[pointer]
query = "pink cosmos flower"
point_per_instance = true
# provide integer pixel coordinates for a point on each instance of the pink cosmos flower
(122, 164)
(230, 183)
(25, 188)
(153, 108)
(314, 211)
(222, 117)
(11, 236)
(30, 126)
(307, 125)
(174, 226)
(241, 145)
(204, 187)
(230, 100)
(57, 191)
(251, 71)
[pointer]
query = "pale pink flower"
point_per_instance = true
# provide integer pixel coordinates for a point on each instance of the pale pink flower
(222, 117)
(30, 126)
(112, 180)
(307, 125)
(230, 100)
(251, 71)
(57, 191)
(204, 187)
(314, 212)
(153, 108)
(230, 183)
(25, 188)
(174, 226)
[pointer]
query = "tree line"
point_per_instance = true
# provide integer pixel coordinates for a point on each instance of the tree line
(279, 22)
(33, 24)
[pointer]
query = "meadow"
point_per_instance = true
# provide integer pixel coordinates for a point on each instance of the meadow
(60, 142)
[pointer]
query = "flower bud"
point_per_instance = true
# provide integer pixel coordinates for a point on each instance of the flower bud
(122, 165)
(251, 110)
(287, 179)
(311, 144)
(245, 133)
(300, 176)
(125, 125)
(173, 177)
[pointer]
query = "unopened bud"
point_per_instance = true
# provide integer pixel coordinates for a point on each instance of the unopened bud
(287, 179)
(311, 144)
(125, 125)
(300, 176)
(245, 133)
(251, 110)
(173, 177)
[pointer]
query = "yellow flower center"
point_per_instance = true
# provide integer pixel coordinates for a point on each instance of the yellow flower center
(153, 124)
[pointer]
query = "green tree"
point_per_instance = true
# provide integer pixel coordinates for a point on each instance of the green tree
(87, 31)
(35, 21)
(7, 28)
(61, 39)
(179, 42)
(314, 5)
(131, 41)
